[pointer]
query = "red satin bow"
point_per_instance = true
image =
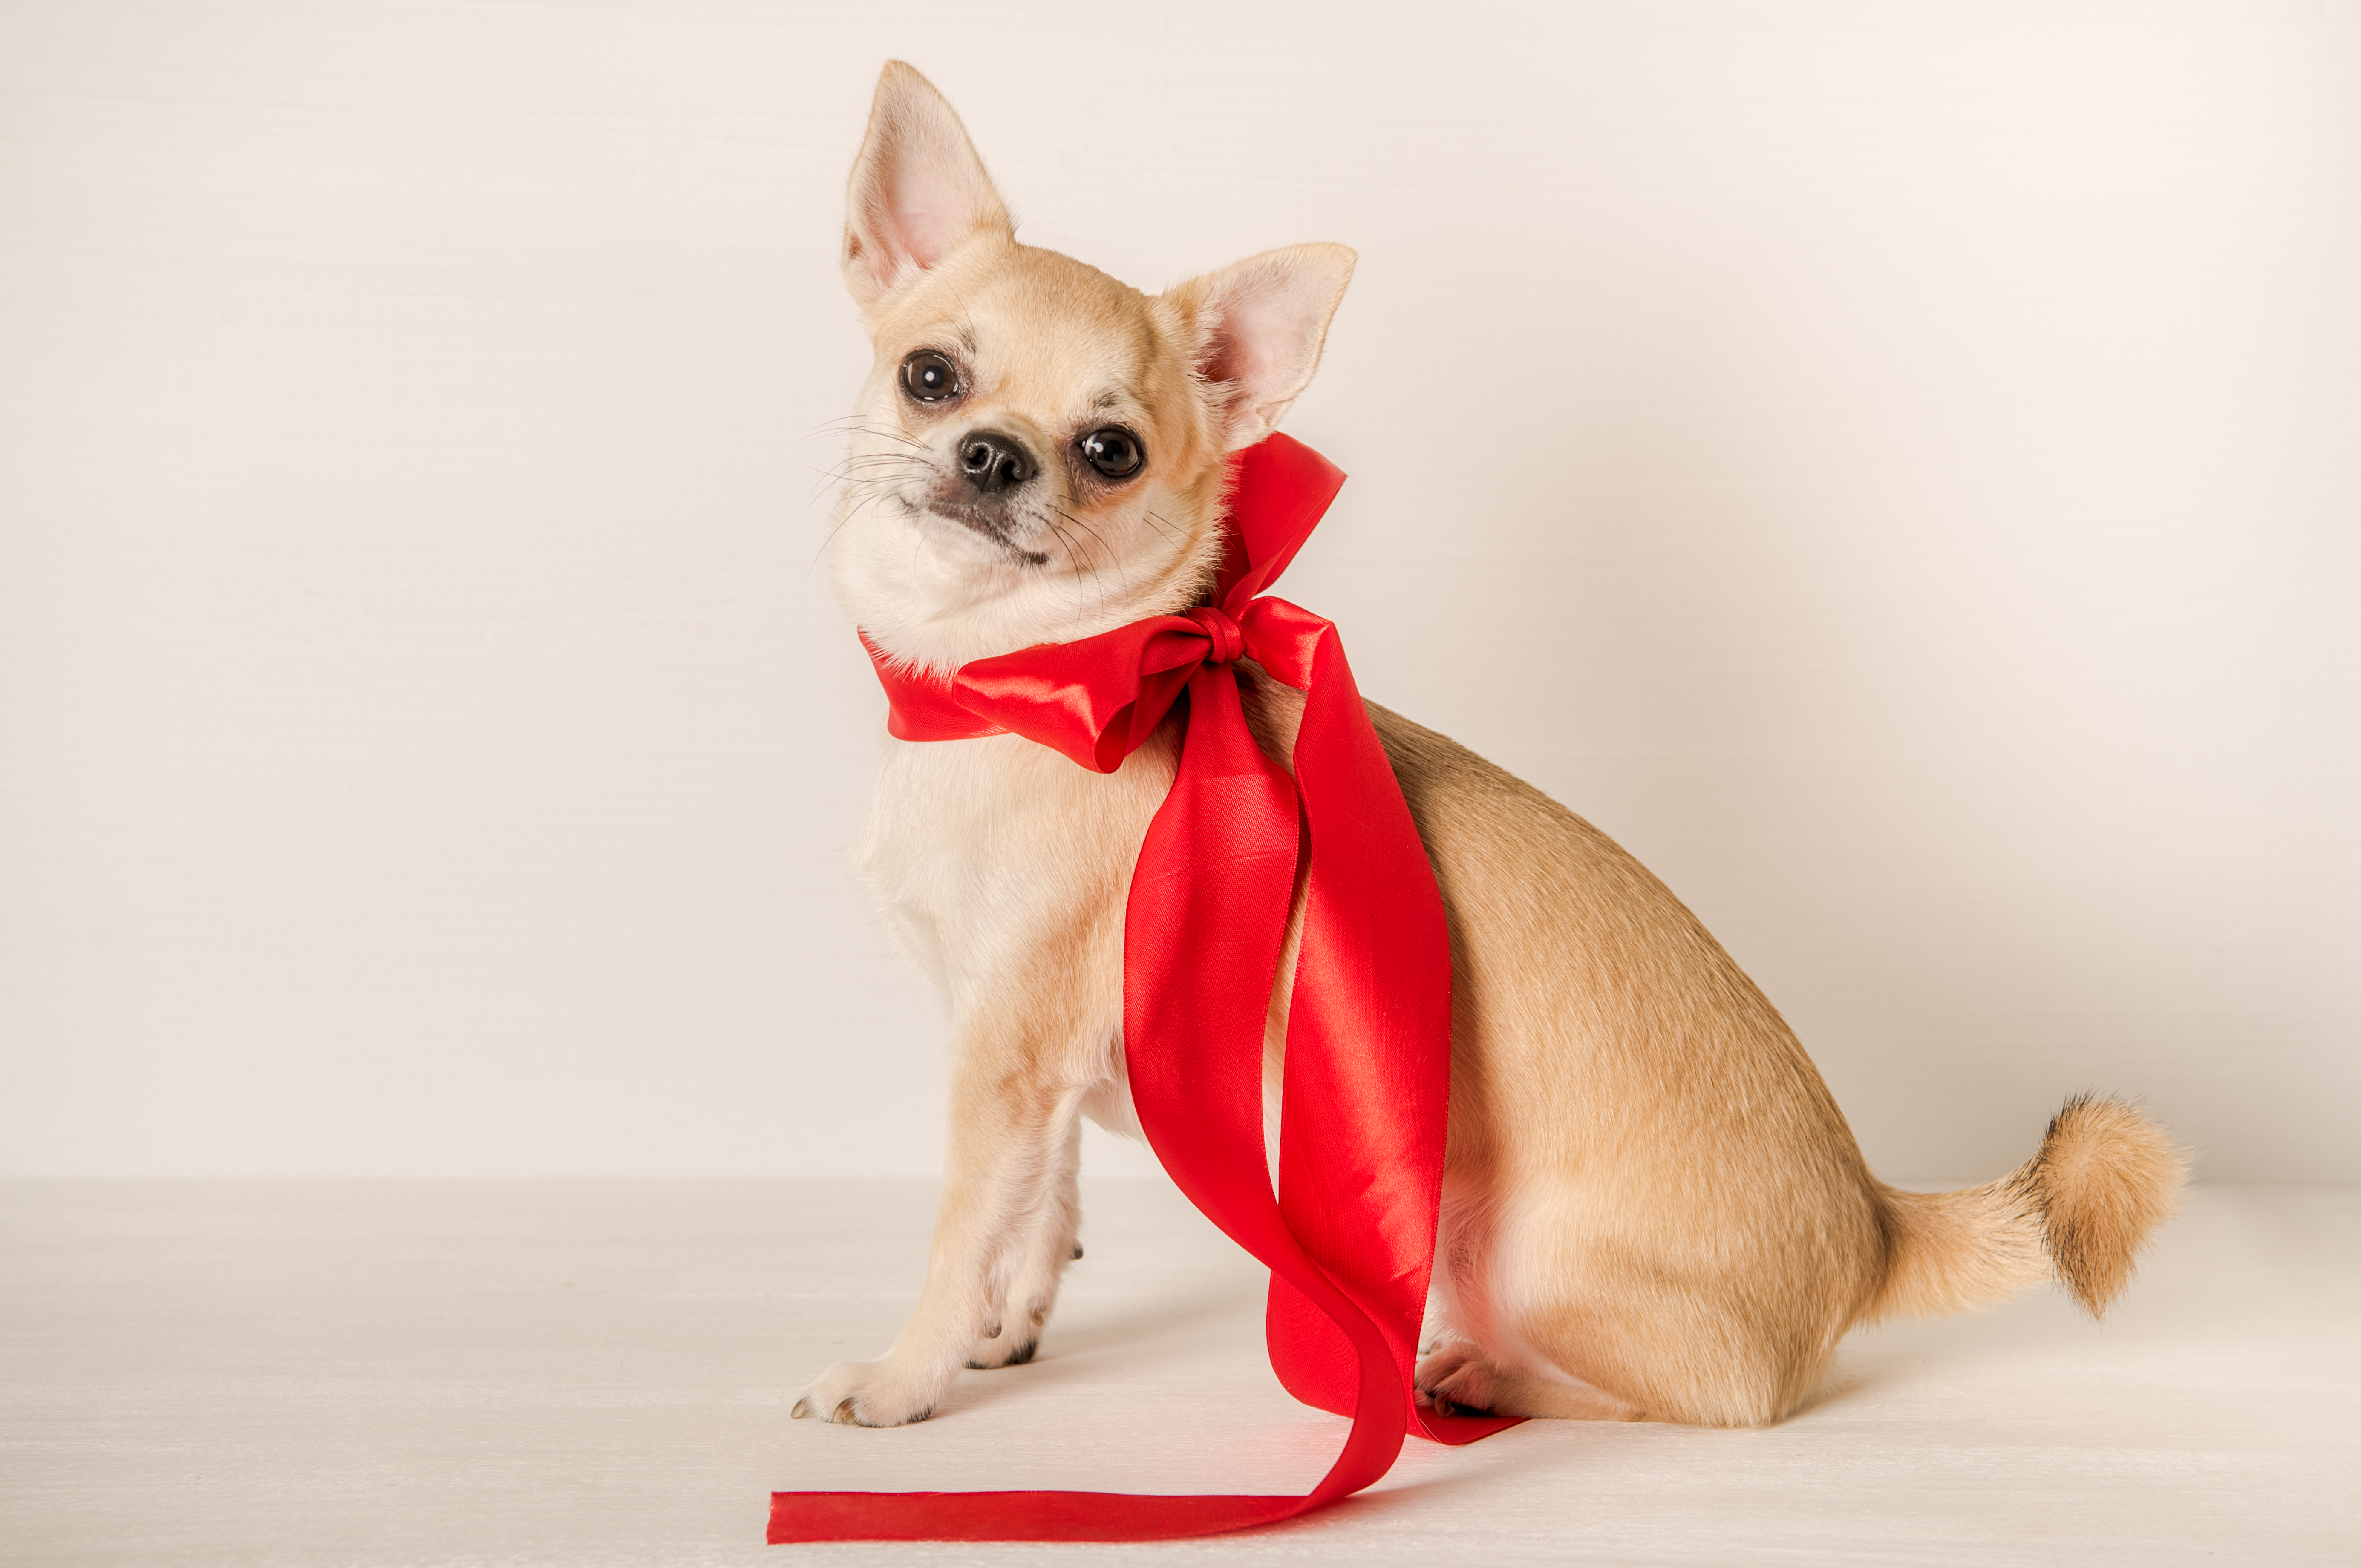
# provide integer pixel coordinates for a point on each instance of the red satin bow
(1349, 1236)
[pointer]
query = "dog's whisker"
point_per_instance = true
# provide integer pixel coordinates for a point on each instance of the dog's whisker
(1067, 540)
(863, 504)
(1081, 558)
(1113, 559)
(1080, 553)
(867, 468)
(850, 484)
(857, 423)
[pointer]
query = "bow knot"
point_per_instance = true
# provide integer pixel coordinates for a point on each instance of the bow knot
(1228, 639)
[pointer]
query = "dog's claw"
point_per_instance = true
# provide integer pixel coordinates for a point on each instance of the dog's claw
(843, 1412)
(803, 1409)
(1077, 1252)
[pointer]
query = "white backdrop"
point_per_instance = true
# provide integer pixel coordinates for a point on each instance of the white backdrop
(1896, 466)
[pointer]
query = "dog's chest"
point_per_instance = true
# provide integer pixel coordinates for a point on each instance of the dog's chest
(980, 850)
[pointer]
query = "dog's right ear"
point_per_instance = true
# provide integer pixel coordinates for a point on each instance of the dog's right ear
(918, 190)
(1260, 323)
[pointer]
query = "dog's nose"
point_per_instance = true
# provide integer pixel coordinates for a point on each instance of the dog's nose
(993, 462)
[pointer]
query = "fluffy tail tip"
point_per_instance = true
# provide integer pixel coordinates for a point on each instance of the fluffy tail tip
(2105, 1177)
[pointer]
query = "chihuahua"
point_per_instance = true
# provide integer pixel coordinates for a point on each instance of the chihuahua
(1652, 1208)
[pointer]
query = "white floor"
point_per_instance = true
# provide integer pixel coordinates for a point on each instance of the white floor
(600, 1373)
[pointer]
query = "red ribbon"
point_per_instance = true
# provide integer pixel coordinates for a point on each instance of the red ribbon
(1349, 1236)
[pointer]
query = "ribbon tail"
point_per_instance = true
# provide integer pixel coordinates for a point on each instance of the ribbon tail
(1364, 1111)
(802, 1517)
(1204, 928)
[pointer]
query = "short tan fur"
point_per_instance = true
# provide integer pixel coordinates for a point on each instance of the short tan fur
(1652, 1208)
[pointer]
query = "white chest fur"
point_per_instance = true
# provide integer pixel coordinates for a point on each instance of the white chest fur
(1001, 867)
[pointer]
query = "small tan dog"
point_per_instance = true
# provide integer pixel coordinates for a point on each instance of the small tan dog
(1652, 1208)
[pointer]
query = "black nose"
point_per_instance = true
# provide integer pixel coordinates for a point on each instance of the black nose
(993, 462)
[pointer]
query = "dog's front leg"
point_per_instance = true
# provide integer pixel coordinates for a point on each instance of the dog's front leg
(1040, 1243)
(1003, 1231)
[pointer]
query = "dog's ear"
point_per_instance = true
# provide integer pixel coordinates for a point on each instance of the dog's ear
(1259, 324)
(918, 190)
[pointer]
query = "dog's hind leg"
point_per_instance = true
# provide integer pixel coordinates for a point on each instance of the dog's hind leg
(1459, 1377)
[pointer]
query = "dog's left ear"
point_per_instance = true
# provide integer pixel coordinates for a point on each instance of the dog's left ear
(1260, 323)
(918, 190)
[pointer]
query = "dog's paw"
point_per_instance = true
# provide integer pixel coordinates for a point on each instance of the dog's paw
(868, 1394)
(1457, 1377)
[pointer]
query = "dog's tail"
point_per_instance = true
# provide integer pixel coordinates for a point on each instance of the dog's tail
(2080, 1208)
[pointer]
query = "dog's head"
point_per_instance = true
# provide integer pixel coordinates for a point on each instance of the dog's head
(1039, 451)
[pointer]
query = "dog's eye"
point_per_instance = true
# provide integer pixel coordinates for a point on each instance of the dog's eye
(928, 377)
(1114, 452)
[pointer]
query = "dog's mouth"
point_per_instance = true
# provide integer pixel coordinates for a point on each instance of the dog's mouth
(991, 525)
